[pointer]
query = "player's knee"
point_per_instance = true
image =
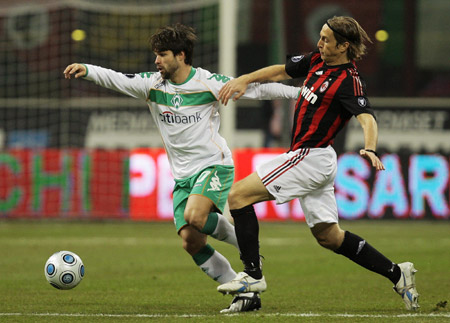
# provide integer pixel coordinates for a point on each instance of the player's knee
(195, 218)
(329, 236)
(328, 241)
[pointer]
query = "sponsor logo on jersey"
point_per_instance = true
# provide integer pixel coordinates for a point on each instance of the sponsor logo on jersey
(309, 95)
(146, 74)
(130, 76)
(171, 118)
(319, 72)
(277, 188)
(362, 101)
(219, 78)
(296, 59)
(324, 86)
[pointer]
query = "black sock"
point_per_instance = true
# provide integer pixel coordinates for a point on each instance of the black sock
(247, 232)
(358, 250)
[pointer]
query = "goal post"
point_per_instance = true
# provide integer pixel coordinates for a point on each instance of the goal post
(227, 62)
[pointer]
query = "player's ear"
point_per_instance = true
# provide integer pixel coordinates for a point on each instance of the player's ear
(343, 46)
(181, 56)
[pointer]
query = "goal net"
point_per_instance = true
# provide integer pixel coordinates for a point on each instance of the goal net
(65, 144)
(39, 108)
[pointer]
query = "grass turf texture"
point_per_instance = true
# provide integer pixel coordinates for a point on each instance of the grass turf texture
(138, 272)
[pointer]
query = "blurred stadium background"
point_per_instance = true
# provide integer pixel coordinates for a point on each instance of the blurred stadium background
(75, 150)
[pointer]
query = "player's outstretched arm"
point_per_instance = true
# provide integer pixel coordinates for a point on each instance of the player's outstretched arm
(370, 129)
(239, 85)
(75, 69)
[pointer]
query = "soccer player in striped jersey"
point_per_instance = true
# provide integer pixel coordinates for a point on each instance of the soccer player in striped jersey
(184, 104)
(332, 93)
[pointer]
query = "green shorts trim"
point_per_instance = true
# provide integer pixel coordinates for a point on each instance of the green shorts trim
(212, 182)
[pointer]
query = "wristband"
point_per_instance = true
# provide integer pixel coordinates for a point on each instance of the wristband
(372, 151)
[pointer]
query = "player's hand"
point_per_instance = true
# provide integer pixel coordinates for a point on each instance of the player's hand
(374, 160)
(237, 85)
(77, 70)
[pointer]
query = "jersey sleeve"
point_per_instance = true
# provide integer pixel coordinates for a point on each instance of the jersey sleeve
(353, 96)
(134, 85)
(213, 81)
(269, 91)
(256, 91)
(298, 66)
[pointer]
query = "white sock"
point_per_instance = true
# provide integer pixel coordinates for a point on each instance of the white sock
(218, 268)
(224, 231)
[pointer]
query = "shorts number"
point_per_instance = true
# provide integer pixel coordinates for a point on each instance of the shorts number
(202, 176)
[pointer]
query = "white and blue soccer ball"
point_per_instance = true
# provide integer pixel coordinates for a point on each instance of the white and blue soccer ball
(64, 270)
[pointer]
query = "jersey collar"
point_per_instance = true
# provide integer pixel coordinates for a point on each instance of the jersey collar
(191, 75)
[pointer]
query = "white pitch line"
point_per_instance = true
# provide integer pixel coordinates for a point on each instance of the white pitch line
(346, 315)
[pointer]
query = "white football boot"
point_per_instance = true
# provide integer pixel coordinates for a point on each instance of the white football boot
(406, 286)
(243, 283)
(244, 302)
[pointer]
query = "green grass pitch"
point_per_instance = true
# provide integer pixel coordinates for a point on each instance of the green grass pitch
(138, 272)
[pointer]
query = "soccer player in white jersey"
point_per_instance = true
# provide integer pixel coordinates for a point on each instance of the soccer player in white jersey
(183, 102)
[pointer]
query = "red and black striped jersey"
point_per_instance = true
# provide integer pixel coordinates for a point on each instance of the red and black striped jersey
(330, 96)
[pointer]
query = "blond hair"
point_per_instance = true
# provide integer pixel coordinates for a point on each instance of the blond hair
(347, 29)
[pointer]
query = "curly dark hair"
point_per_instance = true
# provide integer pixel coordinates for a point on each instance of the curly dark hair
(177, 38)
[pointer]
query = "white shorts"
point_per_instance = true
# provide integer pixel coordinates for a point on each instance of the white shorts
(307, 174)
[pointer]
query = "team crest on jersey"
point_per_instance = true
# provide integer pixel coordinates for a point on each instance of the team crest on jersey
(324, 86)
(177, 100)
(362, 101)
(296, 59)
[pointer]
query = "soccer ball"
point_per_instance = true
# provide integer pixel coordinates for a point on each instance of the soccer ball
(64, 270)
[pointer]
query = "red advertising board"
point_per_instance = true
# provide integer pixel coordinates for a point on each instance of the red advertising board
(137, 184)
(151, 185)
(63, 183)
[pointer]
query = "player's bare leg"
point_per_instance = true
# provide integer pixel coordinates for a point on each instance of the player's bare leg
(198, 213)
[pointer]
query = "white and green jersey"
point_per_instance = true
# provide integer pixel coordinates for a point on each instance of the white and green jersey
(186, 114)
